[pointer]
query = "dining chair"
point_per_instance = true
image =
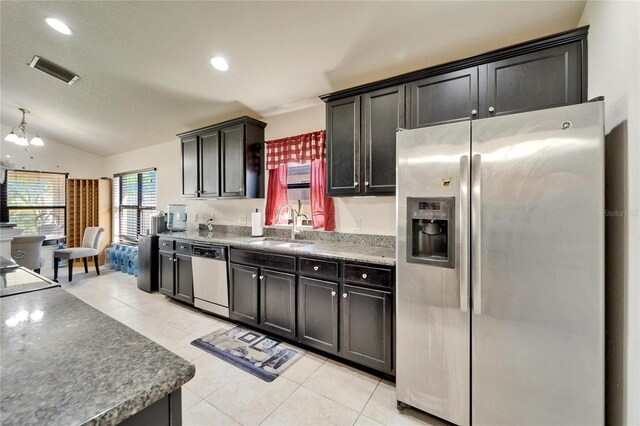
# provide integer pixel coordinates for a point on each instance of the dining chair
(26, 250)
(90, 248)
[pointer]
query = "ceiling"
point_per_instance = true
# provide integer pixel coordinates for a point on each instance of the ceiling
(145, 73)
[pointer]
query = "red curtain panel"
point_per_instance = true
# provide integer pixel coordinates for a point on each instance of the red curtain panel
(322, 209)
(276, 194)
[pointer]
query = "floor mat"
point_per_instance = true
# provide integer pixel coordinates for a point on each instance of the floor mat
(263, 356)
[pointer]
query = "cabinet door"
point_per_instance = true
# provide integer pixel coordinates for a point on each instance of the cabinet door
(190, 166)
(184, 279)
(366, 327)
(318, 314)
(543, 79)
(343, 146)
(243, 293)
(278, 302)
(165, 272)
(383, 115)
(445, 98)
(233, 161)
(209, 164)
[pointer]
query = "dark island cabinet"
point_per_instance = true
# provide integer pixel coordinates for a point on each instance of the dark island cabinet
(367, 318)
(243, 293)
(445, 98)
(174, 270)
(224, 160)
(543, 79)
(278, 302)
(343, 147)
(318, 314)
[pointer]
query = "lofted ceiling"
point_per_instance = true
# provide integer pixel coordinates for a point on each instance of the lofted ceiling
(144, 65)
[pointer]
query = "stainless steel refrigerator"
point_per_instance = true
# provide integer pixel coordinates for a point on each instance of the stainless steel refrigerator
(500, 268)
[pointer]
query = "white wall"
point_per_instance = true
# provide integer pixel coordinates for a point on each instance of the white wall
(376, 215)
(614, 72)
(52, 157)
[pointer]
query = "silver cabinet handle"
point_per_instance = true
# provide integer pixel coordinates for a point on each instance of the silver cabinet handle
(364, 276)
(261, 276)
(175, 259)
(333, 293)
(241, 188)
(344, 295)
(356, 183)
(366, 183)
(463, 218)
(476, 235)
(182, 247)
(315, 268)
(491, 109)
(474, 112)
(253, 275)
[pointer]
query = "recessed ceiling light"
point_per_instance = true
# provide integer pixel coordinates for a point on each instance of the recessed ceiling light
(219, 63)
(8, 156)
(58, 25)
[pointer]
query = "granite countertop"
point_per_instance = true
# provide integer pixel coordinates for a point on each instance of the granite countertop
(341, 250)
(64, 362)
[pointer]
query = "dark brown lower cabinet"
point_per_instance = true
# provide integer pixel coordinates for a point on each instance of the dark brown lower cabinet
(318, 314)
(243, 293)
(278, 302)
(165, 276)
(184, 279)
(367, 318)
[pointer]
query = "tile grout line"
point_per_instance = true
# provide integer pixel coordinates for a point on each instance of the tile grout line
(285, 400)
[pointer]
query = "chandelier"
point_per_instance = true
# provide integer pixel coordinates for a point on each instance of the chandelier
(19, 135)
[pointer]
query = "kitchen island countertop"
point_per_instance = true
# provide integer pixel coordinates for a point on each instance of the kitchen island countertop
(64, 362)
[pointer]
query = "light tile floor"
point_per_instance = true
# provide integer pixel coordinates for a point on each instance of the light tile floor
(314, 391)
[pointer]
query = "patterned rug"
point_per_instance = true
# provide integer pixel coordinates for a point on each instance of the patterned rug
(263, 356)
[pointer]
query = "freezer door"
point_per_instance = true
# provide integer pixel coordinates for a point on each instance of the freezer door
(432, 315)
(538, 268)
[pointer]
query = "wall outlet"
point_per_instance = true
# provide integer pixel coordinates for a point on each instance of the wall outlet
(357, 223)
(243, 218)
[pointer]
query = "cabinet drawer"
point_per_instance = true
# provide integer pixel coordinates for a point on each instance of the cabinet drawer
(320, 268)
(259, 258)
(166, 244)
(368, 275)
(183, 248)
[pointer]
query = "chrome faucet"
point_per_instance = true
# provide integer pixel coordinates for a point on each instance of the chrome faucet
(294, 229)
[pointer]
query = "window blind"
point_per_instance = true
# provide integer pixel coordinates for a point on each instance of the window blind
(36, 201)
(134, 197)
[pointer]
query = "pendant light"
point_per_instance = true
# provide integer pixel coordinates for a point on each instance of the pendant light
(19, 135)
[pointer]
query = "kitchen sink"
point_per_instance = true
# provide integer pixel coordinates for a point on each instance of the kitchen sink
(293, 245)
(266, 243)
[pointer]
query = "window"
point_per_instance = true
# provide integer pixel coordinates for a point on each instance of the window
(298, 191)
(134, 200)
(36, 201)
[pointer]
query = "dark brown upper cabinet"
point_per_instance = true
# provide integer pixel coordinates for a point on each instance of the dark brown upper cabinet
(224, 160)
(361, 142)
(361, 121)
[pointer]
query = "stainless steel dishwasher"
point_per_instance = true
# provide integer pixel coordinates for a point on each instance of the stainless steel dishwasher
(210, 284)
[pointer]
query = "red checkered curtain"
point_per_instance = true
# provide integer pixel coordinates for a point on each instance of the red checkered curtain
(296, 149)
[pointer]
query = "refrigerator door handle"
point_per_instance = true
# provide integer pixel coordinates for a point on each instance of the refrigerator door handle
(476, 235)
(464, 233)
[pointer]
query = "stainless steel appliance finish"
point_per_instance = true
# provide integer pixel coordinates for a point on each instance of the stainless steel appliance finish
(210, 279)
(530, 244)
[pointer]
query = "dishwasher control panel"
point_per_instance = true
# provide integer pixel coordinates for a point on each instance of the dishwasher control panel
(210, 252)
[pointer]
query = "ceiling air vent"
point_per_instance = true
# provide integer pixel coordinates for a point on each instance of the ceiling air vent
(53, 70)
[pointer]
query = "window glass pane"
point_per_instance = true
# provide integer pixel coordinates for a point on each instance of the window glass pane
(134, 202)
(36, 201)
(299, 173)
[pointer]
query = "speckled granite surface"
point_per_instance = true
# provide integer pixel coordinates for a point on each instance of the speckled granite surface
(76, 365)
(352, 247)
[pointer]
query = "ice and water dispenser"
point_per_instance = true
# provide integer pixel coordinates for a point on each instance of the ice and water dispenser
(431, 231)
